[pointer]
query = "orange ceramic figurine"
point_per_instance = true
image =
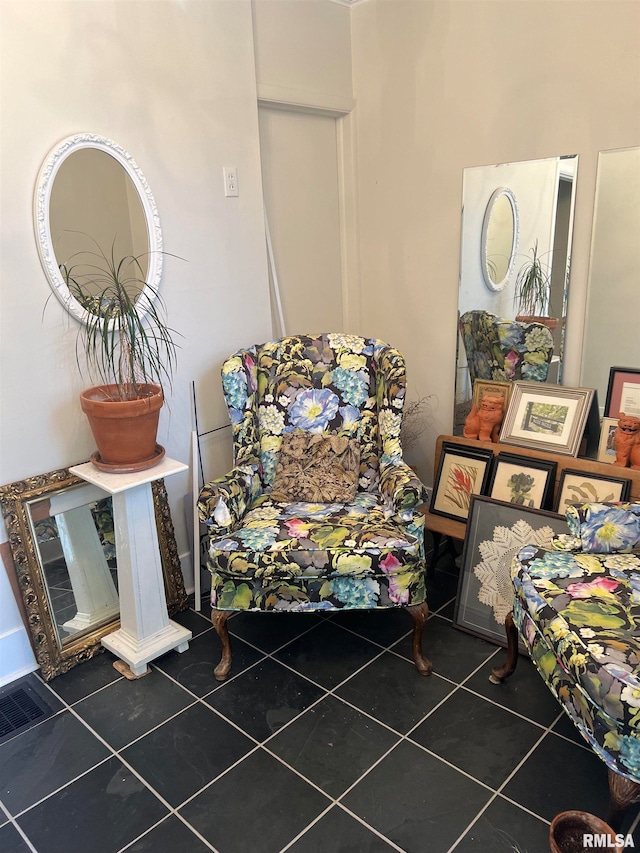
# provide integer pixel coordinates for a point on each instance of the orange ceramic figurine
(627, 442)
(484, 423)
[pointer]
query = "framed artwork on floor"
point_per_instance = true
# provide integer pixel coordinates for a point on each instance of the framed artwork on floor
(547, 417)
(623, 392)
(607, 445)
(522, 481)
(462, 473)
(581, 487)
(496, 531)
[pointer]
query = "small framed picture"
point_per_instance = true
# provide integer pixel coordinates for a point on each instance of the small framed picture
(581, 487)
(547, 417)
(606, 445)
(495, 533)
(493, 389)
(462, 473)
(623, 392)
(522, 481)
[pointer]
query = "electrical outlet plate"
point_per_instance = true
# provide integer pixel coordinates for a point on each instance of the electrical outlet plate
(230, 174)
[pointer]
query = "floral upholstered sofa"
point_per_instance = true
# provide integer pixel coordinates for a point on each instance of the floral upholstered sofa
(308, 548)
(577, 609)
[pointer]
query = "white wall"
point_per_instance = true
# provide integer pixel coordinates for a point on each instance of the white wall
(303, 52)
(174, 84)
(441, 86)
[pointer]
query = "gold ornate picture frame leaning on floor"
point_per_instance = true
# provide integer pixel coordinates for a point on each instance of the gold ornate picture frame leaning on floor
(72, 603)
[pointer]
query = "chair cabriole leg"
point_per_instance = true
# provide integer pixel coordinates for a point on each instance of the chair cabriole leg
(622, 793)
(219, 620)
(499, 673)
(419, 613)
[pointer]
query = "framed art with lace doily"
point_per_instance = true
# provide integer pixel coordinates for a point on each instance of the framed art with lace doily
(496, 531)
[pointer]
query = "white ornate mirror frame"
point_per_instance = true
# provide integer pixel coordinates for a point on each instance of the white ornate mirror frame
(42, 221)
(508, 260)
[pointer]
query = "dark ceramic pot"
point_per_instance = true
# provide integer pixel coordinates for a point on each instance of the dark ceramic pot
(567, 831)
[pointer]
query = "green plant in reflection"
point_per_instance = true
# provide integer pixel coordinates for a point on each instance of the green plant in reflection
(125, 338)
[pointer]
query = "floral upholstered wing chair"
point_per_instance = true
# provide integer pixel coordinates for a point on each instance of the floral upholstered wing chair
(272, 553)
(505, 350)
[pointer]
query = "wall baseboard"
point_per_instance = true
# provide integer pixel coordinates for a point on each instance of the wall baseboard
(16, 656)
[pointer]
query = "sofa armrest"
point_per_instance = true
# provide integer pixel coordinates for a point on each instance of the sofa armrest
(400, 486)
(224, 501)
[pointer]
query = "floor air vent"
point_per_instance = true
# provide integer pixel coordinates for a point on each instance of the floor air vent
(20, 708)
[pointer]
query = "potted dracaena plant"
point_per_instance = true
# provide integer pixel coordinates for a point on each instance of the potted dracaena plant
(130, 355)
(533, 291)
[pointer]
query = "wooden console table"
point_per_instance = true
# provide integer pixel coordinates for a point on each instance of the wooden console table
(440, 526)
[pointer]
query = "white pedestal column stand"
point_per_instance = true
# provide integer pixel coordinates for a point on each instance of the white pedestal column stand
(93, 587)
(145, 632)
(95, 595)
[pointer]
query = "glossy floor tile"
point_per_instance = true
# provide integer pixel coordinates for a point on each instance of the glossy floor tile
(324, 739)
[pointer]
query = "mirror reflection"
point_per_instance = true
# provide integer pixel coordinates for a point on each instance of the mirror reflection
(94, 206)
(611, 330)
(534, 214)
(74, 538)
(499, 238)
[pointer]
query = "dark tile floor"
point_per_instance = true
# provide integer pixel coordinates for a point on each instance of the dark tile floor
(325, 739)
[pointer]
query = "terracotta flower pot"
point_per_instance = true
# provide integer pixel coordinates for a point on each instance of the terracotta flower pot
(567, 831)
(550, 322)
(124, 430)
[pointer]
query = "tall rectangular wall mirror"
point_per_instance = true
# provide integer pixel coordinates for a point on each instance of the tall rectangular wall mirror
(515, 259)
(612, 329)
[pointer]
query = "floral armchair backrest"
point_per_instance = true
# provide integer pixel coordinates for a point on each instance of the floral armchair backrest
(502, 349)
(339, 383)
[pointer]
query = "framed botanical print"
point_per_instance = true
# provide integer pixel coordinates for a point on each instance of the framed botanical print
(581, 487)
(462, 473)
(496, 531)
(547, 417)
(522, 481)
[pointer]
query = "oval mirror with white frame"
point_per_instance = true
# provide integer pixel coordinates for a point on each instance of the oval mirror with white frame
(93, 206)
(499, 238)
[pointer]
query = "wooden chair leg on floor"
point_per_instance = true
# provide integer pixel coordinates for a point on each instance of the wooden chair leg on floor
(420, 613)
(219, 620)
(622, 793)
(499, 673)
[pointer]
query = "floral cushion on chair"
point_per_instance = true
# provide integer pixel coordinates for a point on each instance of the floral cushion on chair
(305, 556)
